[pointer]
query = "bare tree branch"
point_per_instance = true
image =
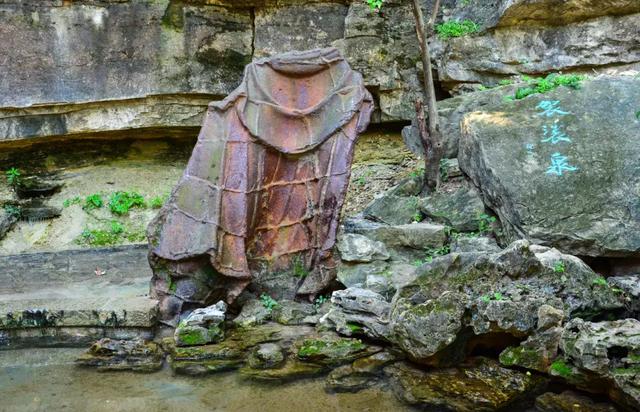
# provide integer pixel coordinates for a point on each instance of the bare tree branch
(434, 15)
(430, 136)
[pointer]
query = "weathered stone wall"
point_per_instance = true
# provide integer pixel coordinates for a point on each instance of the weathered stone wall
(75, 68)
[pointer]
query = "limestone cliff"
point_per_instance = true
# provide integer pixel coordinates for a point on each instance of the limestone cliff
(76, 68)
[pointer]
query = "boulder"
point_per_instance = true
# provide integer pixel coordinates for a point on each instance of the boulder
(117, 355)
(8, 218)
(451, 112)
(330, 350)
(541, 348)
(463, 294)
(604, 351)
(231, 353)
(253, 313)
(202, 326)
(569, 401)
(358, 248)
(398, 206)
(266, 356)
(289, 312)
(416, 236)
(550, 165)
(361, 374)
(480, 385)
(356, 311)
(630, 287)
(355, 274)
(461, 210)
(470, 244)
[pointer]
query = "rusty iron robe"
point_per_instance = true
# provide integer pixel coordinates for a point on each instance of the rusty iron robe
(265, 184)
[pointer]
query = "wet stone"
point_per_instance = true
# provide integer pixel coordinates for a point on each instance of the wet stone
(266, 356)
(333, 350)
(480, 385)
(361, 374)
(569, 401)
(292, 369)
(202, 326)
(119, 355)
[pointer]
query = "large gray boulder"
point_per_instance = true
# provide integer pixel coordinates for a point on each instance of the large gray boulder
(561, 169)
(460, 295)
(603, 357)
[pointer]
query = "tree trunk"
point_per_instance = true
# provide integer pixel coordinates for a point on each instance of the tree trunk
(429, 132)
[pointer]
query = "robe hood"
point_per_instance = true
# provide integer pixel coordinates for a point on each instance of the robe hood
(295, 102)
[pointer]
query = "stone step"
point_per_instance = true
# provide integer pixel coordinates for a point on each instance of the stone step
(58, 299)
(25, 271)
(83, 304)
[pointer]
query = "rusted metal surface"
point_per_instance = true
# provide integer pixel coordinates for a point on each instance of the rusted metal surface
(259, 201)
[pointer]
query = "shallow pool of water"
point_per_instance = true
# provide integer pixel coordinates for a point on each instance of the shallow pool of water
(47, 380)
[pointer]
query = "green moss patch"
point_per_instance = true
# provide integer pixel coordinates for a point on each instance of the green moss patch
(456, 29)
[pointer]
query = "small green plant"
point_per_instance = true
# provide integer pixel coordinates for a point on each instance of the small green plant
(561, 368)
(73, 201)
(505, 82)
(116, 228)
(121, 202)
(417, 217)
(485, 223)
(354, 327)
(441, 251)
(638, 115)
(99, 237)
(548, 83)
(12, 210)
(93, 201)
(114, 233)
(268, 302)
(13, 177)
(375, 4)
(600, 281)
(559, 267)
(456, 29)
(320, 300)
(497, 296)
(433, 253)
(157, 202)
(298, 269)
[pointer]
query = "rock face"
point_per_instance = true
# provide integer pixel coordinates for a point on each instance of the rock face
(460, 295)
(260, 198)
(156, 64)
(549, 165)
(541, 36)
